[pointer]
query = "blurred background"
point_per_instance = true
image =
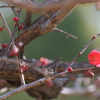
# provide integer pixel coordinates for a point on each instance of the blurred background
(83, 22)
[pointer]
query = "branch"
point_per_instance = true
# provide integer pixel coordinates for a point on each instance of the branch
(44, 25)
(21, 88)
(67, 34)
(9, 70)
(37, 84)
(89, 1)
(28, 6)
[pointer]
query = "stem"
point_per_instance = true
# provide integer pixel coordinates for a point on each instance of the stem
(83, 50)
(9, 45)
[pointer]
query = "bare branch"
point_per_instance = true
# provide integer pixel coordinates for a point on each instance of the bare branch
(3, 6)
(44, 25)
(21, 88)
(85, 47)
(5, 23)
(89, 1)
(11, 67)
(15, 13)
(28, 6)
(67, 34)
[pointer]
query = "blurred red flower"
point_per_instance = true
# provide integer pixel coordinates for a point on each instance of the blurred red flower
(94, 57)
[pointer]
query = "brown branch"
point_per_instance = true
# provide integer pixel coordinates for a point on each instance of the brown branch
(89, 1)
(26, 5)
(38, 83)
(9, 71)
(44, 25)
(21, 88)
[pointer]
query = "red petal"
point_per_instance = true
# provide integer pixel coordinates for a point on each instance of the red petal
(94, 57)
(44, 61)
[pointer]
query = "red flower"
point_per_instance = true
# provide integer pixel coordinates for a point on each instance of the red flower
(94, 57)
(15, 19)
(70, 69)
(23, 67)
(14, 51)
(21, 27)
(4, 45)
(19, 45)
(1, 28)
(17, 10)
(44, 61)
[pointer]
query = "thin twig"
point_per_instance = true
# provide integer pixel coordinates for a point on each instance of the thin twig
(85, 47)
(16, 13)
(10, 34)
(22, 79)
(59, 30)
(21, 88)
(5, 23)
(46, 15)
(41, 11)
(12, 6)
(9, 44)
(13, 61)
(57, 17)
(18, 59)
(49, 66)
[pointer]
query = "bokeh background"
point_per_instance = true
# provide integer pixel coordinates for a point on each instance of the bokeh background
(83, 22)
